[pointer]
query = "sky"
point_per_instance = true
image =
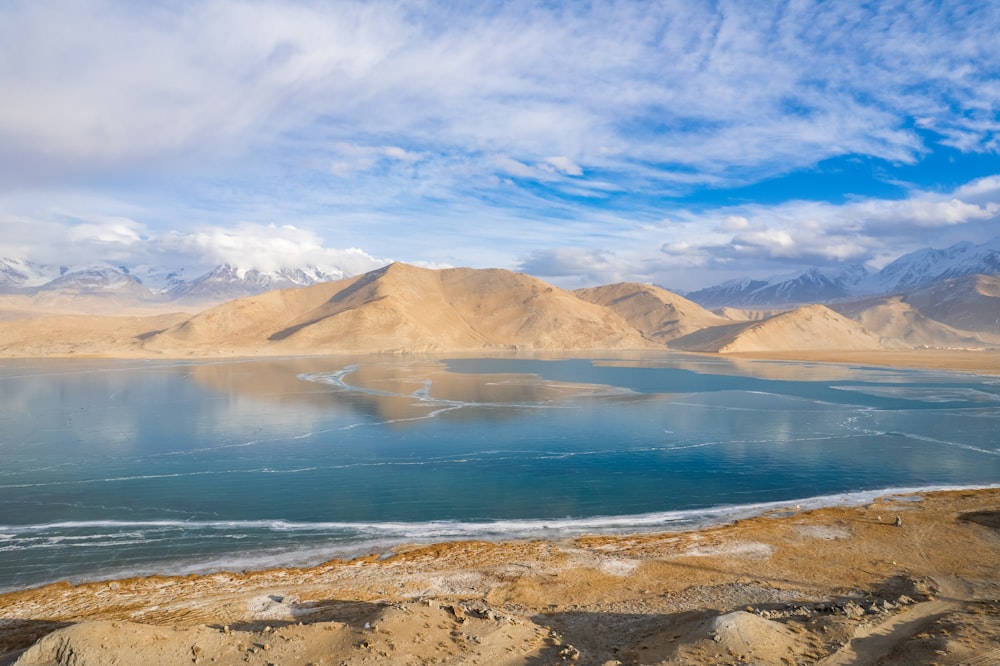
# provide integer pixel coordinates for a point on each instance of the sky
(681, 143)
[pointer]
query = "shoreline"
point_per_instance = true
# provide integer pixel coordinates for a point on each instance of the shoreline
(812, 585)
(974, 361)
(400, 537)
(980, 362)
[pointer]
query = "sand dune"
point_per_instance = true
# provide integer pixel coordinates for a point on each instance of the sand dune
(658, 314)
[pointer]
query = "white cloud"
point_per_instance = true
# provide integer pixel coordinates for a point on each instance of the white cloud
(608, 85)
(109, 230)
(479, 134)
(762, 238)
(564, 165)
(351, 158)
(928, 211)
(264, 247)
(512, 167)
(735, 223)
(989, 187)
(586, 266)
(61, 239)
(76, 242)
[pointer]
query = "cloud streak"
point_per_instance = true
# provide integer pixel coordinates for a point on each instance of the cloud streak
(501, 134)
(602, 85)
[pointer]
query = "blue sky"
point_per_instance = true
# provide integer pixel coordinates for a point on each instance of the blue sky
(682, 143)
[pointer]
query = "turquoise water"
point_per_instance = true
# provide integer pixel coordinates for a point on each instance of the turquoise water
(114, 468)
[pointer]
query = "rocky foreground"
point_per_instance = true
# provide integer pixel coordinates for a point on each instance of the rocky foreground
(903, 580)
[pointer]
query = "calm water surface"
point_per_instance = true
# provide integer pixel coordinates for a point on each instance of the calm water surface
(112, 468)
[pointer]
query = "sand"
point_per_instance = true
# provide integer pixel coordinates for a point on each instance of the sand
(985, 362)
(827, 586)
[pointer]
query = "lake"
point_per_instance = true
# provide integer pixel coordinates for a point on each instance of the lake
(115, 468)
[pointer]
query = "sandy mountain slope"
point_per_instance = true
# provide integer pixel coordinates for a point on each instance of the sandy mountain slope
(403, 307)
(743, 314)
(968, 304)
(21, 306)
(814, 327)
(60, 335)
(897, 319)
(658, 314)
(237, 324)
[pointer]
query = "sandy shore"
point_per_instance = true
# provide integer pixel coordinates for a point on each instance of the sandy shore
(828, 586)
(982, 362)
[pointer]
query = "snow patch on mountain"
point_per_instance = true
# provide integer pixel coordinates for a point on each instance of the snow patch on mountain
(228, 281)
(913, 270)
(23, 274)
(810, 286)
(929, 265)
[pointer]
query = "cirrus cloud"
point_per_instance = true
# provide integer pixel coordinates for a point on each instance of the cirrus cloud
(501, 132)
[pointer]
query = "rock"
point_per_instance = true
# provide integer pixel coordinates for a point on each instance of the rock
(569, 652)
(853, 610)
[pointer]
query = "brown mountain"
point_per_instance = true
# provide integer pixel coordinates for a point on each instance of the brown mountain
(968, 304)
(405, 308)
(897, 319)
(658, 314)
(64, 335)
(814, 327)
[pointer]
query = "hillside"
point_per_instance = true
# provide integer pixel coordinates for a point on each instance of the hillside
(81, 335)
(814, 327)
(897, 319)
(402, 308)
(405, 308)
(968, 303)
(658, 314)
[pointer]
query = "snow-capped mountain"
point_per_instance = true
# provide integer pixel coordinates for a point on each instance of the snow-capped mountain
(227, 282)
(811, 286)
(153, 284)
(99, 280)
(16, 274)
(922, 267)
(928, 265)
(730, 292)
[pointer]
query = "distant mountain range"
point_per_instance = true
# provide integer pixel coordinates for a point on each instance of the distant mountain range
(940, 299)
(148, 285)
(155, 285)
(401, 308)
(909, 272)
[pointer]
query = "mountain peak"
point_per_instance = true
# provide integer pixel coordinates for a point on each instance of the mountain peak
(808, 286)
(915, 269)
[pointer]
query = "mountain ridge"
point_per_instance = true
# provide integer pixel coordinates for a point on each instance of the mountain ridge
(406, 309)
(151, 285)
(911, 271)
